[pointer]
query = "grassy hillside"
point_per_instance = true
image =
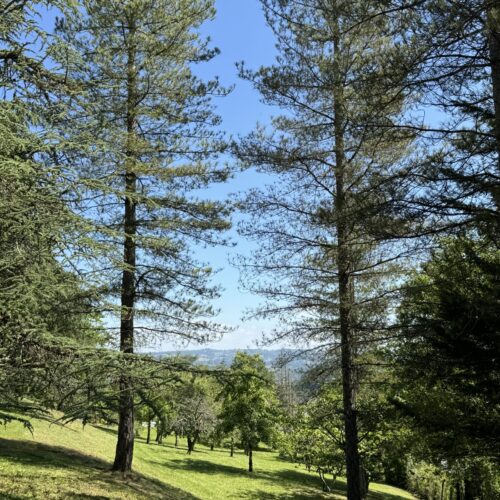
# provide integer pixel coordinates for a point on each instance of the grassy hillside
(73, 463)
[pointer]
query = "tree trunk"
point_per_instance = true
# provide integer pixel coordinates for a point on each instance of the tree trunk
(148, 438)
(232, 448)
(494, 52)
(364, 482)
(250, 459)
(191, 444)
(493, 20)
(326, 488)
(212, 447)
(176, 439)
(346, 286)
(125, 444)
(470, 489)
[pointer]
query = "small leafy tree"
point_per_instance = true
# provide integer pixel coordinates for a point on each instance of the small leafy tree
(249, 402)
(195, 411)
(314, 436)
(304, 442)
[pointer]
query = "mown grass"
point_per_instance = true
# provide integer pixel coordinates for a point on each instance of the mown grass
(74, 463)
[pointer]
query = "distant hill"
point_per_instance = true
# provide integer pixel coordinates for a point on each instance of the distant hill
(216, 357)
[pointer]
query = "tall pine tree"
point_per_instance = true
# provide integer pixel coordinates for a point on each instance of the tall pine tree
(148, 141)
(328, 228)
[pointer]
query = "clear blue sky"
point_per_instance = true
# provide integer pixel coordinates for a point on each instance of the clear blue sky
(240, 32)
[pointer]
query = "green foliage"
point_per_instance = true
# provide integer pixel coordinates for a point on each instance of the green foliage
(454, 66)
(48, 314)
(450, 315)
(314, 434)
(249, 401)
(44, 308)
(472, 477)
(143, 144)
(314, 441)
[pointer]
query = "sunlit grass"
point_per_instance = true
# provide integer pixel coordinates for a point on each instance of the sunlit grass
(74, 462)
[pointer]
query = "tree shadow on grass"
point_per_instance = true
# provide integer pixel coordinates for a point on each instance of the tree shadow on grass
(46, 456)
(105, 429)
(298, 494)
(42, 464)
(193, 464)
(307, 494)
(302, 484)
(179, 448)
(311, 485)
(7, 496)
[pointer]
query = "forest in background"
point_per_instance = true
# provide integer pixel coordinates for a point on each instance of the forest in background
(375, 233)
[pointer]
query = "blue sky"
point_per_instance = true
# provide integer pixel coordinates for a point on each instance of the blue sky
(240, 32)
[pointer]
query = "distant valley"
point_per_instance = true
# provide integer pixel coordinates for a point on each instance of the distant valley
(216, 357)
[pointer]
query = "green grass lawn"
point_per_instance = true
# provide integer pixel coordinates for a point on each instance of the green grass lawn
(73, 463)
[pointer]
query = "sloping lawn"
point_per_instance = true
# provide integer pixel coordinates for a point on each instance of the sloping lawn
(73, 462)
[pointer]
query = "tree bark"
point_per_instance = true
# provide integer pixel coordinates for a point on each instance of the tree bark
(494, 52)
(148, 438)
(470, 492)
(191, 444)
(326, 488)
(232, 448)
(125, 444)
(250, 459)
(345, 285)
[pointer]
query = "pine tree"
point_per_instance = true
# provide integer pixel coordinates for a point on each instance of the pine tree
(327, 228)
(45, 307)
(455, 68)
(148, 140)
